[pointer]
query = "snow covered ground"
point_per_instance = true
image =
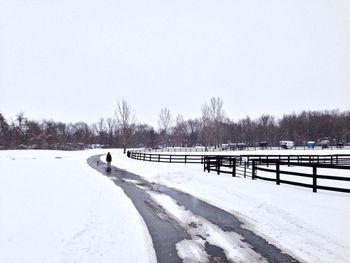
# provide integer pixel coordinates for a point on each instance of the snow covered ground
(312, 227)
(55, 208)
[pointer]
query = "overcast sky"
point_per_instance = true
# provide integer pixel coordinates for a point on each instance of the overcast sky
(72, 60)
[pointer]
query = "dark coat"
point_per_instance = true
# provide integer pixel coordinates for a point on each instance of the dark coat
(109, 158)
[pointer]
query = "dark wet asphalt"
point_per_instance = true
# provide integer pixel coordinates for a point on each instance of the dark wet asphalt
(166, 233)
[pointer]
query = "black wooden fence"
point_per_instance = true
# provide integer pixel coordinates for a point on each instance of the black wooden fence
(166, 158)
(216, 163)
(340, 159)
(276, 166)
(248, 165)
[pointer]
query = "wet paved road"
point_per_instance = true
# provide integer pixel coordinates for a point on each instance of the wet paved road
(166, 231)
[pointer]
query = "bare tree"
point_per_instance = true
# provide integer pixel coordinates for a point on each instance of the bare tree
(212, 120)
(266, 125)
(217, 117)
(216, 109)
(101, 125)
(125, 119)
(179, 134)
(165, 122)
(21, 126)
(111, 127)
(144, 136)
(4, 133)
(101, 131)
(193, 128)
(206, 125)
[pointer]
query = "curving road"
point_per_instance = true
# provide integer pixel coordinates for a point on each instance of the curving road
(186, 229)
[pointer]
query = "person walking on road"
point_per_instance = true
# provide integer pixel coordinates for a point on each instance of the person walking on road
(108, 160)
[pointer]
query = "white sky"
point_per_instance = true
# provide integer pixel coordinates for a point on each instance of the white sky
(73, 60)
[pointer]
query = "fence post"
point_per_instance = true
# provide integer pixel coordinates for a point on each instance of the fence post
(314, 178)
(245, 169)
(170, 158)
(218, 164)
(277, 173)
(185, 158)
(234, 168)
(158, 158)
(253, 169)
(204, 165)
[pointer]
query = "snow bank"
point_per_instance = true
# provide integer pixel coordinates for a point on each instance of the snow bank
(311, 226)
(55, 208)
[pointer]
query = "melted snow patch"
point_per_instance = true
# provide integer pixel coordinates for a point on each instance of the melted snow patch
(191, 251)
(132, 181)
(201, 231)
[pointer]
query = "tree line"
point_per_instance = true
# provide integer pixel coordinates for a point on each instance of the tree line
(212, 128)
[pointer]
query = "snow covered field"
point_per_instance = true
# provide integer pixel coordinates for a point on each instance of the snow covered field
(55, 208)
